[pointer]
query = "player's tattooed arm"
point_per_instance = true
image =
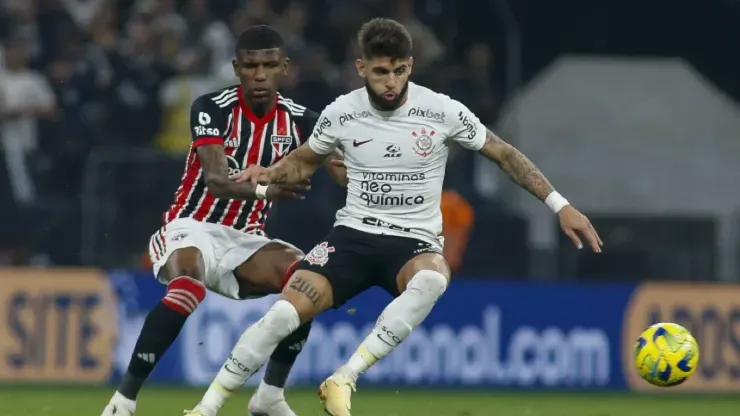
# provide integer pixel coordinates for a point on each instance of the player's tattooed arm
(297, 167)
(517, 166)
(216, 173)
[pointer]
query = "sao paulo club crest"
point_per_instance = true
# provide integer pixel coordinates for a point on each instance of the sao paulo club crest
(319, 255)
(280, 144)
(424, 145)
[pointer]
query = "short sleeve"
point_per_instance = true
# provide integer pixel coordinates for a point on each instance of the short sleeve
(306, 124)
(325, 136)
(206, 122)
(466, 128)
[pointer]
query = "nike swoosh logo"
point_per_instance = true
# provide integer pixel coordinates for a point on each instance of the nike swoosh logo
(386, 342)
(226, 367)
(358, 144)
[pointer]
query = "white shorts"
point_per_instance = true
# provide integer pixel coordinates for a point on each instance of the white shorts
(223, 249)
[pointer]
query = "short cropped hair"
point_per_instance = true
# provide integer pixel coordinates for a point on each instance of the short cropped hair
(259, 37)
(382, 37)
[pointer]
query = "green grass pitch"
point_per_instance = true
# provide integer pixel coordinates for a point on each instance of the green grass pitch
(156, 401)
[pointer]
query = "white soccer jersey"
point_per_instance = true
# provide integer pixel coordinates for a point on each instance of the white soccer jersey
(396, 159)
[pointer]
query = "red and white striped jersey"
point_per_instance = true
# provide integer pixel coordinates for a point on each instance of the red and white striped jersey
(223, 117)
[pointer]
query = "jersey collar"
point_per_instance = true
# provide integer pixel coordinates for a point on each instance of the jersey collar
(269, 115)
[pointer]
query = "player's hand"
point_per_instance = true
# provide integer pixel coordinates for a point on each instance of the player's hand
(574, 223)
(338, 163)
(256, 174)
(288, 190)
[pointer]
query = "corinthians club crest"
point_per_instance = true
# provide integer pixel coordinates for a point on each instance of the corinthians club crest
(424, 145)
(320, 254)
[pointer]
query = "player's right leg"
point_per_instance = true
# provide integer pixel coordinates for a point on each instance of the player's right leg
(306, 295)
(329, 275)
(184, 273)
(267, 269)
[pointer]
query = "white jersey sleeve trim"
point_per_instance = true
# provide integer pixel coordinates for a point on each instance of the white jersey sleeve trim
(319, 146)
(326, 135)
(466, 129)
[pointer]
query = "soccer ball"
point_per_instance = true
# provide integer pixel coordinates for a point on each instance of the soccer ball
(666, 355)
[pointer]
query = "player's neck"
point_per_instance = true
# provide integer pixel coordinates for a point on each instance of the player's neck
(260, 109)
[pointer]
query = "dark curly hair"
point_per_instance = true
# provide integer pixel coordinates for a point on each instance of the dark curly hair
(382, 37)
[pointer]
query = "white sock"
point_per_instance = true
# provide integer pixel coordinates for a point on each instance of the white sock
(397, 321)
(124, 401)
(250, 353)
(269, 394)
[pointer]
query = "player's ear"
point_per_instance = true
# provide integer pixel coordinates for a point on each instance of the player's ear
(360, 65)
(286, 65)
(236, 69)
(411, 64)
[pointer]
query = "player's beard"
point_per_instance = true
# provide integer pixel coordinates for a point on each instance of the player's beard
(381, 103)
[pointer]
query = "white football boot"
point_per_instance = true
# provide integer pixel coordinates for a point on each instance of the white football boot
(119, 406)
(336, 393)
(260, 407)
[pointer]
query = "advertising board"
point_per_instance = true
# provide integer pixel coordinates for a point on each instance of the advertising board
(57, 325)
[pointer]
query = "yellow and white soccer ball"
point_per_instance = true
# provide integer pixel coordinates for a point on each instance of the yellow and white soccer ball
(666, 354)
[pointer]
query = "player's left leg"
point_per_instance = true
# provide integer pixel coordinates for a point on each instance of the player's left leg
(421, 281)
(267, 271)
(333, 272)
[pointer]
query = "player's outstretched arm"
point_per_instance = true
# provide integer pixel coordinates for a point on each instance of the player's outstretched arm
(300, 164)
(297, 167)
(522, 171)
(216, 173)
(517, 166)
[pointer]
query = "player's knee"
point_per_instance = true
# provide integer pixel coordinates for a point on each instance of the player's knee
(187, 261)
(429, 283)
(184, 294)
(310, 293)
(193, 272)
(305, 308)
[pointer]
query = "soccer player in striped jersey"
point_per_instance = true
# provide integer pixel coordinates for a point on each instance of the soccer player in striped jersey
(213, 235)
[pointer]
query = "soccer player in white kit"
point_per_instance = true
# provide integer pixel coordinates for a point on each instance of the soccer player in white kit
(395, 137)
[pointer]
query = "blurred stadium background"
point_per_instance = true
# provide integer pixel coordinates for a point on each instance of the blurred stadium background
(630, 107)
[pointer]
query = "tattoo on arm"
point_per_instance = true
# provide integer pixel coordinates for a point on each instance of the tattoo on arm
(517, 166)
(307, 289)
(298, 166)
(286, 170)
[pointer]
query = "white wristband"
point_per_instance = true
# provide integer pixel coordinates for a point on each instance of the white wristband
(261, 191)
(556, 202)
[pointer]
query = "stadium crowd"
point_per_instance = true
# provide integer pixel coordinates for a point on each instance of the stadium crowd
(76, 75)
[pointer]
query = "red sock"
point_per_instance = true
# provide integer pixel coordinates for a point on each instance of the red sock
(289, 273)
(184, 294)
